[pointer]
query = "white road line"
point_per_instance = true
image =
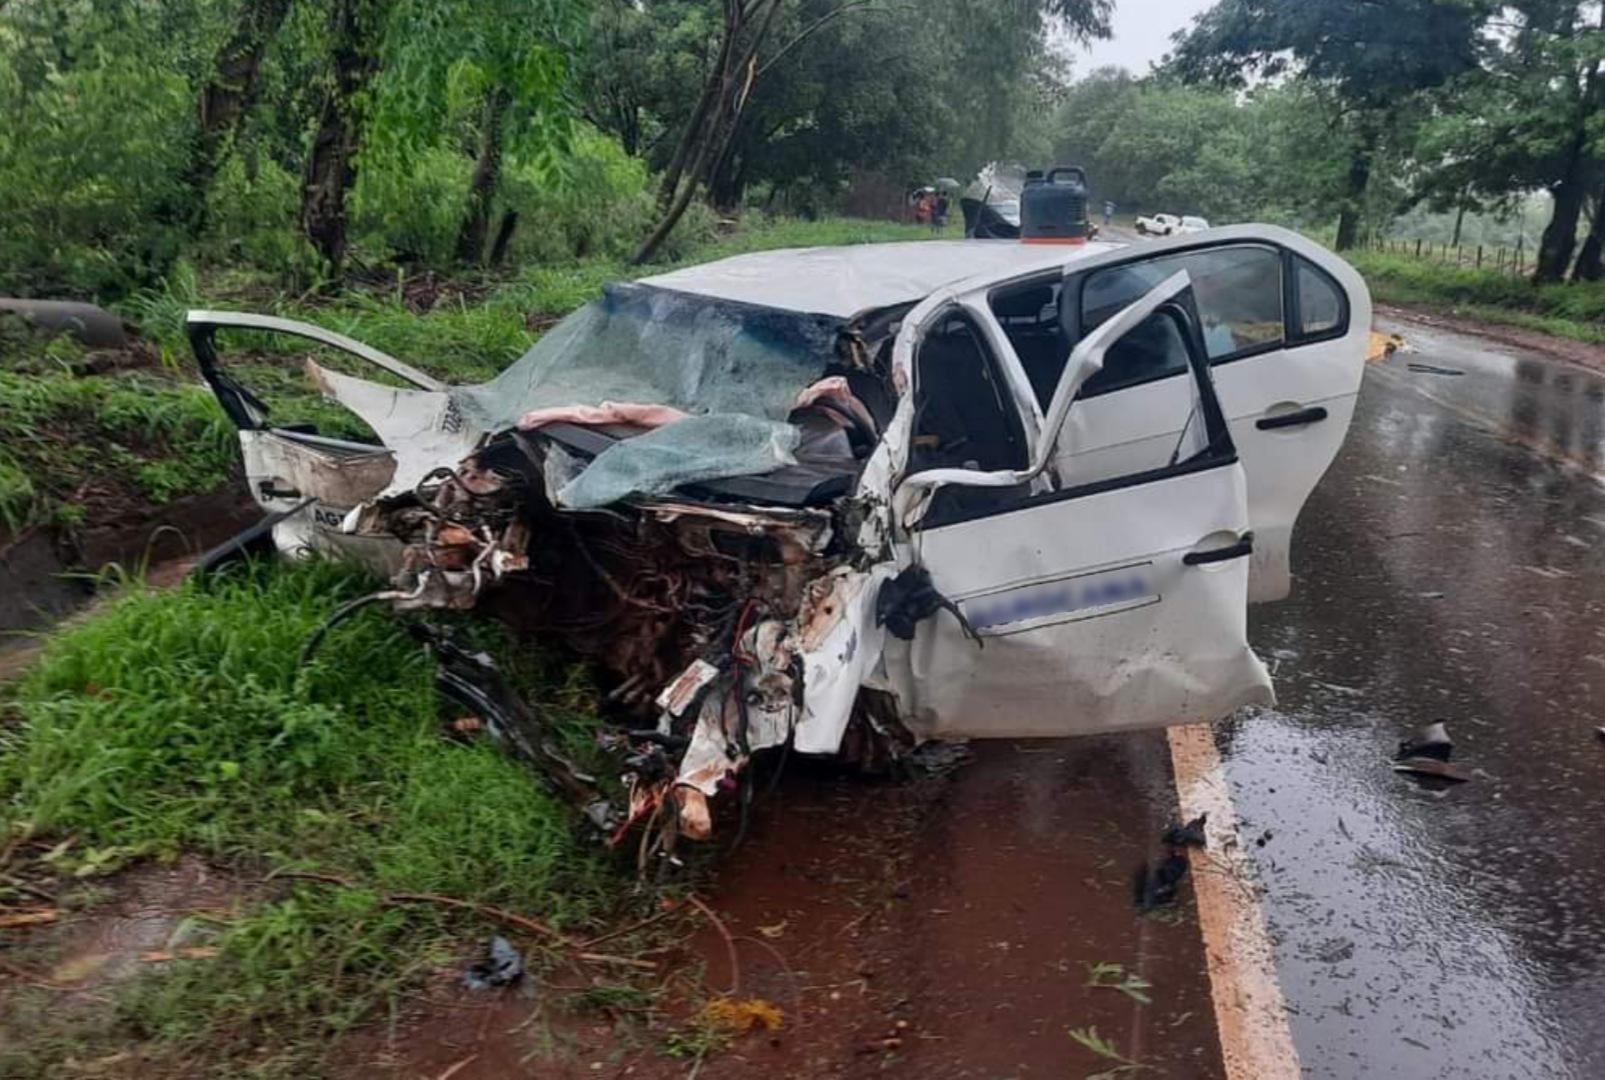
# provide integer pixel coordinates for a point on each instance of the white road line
(1255, 1037)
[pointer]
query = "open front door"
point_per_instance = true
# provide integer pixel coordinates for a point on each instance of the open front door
(306, 480)
(1117, 604)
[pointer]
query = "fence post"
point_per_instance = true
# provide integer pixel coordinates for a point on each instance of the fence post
(1479, 256)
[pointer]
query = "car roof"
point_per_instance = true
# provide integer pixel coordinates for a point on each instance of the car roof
(844, 281)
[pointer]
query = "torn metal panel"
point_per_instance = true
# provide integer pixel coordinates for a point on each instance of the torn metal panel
(796, 679)
(285, 470)
(687, 688)
(419, 426)
(838, 646)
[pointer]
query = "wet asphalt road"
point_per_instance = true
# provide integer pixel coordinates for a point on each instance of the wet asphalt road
(1449, 567)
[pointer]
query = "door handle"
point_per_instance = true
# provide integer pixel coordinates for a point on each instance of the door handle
(270, 490)
(1244, 546)
(1313, 415)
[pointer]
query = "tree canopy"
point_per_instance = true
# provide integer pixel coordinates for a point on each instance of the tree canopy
(312, 138)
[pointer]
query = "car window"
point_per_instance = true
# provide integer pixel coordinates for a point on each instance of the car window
(1238, 290)
(1320, 302)
(1028, 314)
(964, 414)
(964, 417)
(1153, 349)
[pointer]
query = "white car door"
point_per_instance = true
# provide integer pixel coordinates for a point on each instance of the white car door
(305, 481)
(1115, 604)
(1285, 324)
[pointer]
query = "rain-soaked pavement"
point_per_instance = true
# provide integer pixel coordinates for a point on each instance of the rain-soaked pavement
(1448, 568)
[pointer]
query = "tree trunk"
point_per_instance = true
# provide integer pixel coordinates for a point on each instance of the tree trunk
(705, 139)
(676, 209)
(1460, 217)
(728, 181)
(487, 174)
(1570, 191)
(504, 237)
(685, 149)
(1591, 259)
(1556, 245)
(356, 26)
(226, 97)
(719, 176)
(1353, 198)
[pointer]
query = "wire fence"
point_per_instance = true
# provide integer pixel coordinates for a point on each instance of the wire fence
(1501, 259)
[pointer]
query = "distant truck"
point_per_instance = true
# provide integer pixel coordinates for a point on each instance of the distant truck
(1170, 225)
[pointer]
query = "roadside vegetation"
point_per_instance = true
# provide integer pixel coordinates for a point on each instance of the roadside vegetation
(180, 722)
(1566, 309)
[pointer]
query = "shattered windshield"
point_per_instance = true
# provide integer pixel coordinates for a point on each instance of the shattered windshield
(642, 344)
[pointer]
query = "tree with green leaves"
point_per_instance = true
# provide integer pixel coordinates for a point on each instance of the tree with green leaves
(1369, 58)
(1528, 117)
(968, 62)
(227, 95)
(504, 64)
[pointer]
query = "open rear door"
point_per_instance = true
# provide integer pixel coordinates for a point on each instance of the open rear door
(1118, 604)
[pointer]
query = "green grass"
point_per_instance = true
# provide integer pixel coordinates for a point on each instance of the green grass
(150, 436)
(1570, 310)
(179, 721)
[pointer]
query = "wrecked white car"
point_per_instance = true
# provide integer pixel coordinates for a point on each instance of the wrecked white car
(953, 489)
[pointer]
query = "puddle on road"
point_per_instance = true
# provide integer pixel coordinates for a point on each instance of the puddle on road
(157, 914)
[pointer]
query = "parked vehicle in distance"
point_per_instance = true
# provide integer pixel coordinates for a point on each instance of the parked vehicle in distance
(1157, 224)
(786, 491)
(1170, 224)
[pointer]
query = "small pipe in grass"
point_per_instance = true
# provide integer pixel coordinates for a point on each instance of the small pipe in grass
(351, 607)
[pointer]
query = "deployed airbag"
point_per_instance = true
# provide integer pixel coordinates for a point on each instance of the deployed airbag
(685, 452)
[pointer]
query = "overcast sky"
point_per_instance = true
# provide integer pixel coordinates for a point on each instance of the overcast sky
(1142, 34)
